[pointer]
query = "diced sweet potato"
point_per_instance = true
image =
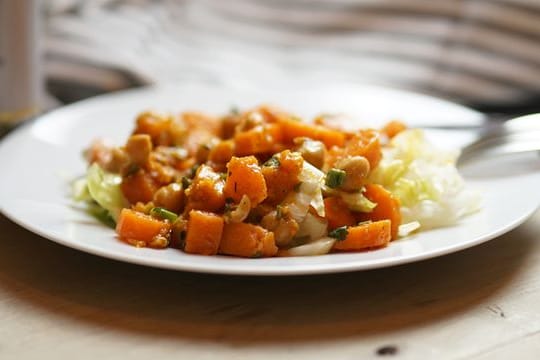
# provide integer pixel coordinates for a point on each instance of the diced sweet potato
(139, 186)
(244, 177)
(293, 129)
(155, 125)
(204, 232)
(365, 236)
(206, 191)
(337, 213)
(281, 175)
(258, 140)
(393, 128)
(140, 229)
(247, 240)
(388, 207)
(366, 143)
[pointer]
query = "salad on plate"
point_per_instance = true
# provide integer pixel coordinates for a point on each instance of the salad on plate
(263, 183)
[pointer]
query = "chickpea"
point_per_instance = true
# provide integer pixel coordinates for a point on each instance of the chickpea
(313, 151)
(356, 169)
(282, 225)
(138, 148)
(204, 150)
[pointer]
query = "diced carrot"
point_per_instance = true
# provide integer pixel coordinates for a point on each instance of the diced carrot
(293, 129)
(244, 177)
(365, 236)
(393, 128)
(247, 240)
(387, 207)
(337, 213)
(136, 227)
(206, 191)
(366, 143)
(281, 174)
(203, 233)
(139, 186)
(258, 140)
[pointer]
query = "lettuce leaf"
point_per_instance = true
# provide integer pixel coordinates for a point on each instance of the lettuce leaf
(425, 180)
(104, 189)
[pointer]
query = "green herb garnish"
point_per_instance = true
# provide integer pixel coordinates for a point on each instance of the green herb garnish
(186, 182)
(335, 178)
(163, 214)
(339, 233)
(279, 212)
(272, 162)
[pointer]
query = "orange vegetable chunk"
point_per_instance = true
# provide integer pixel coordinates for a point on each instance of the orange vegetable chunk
(258, 140)
(139, 187)
(247, 240)
(293, 129)
(244, 177)
(282, 176)
(206, 191)
(393, 128)
(337, 213)
(387, 207)
(204, 232)
(133, 225)
(365, 236)
(222, 152)
(366, 143)
(155, 125)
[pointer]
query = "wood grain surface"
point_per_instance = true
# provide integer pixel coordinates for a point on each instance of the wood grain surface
(481, 303)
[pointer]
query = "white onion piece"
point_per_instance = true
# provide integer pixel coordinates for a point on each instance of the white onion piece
(406, 229)
(312, 181)
(312, 226)
(319, 247)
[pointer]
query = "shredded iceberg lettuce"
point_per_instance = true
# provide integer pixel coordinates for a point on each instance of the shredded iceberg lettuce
(426, 181)
(103, 188)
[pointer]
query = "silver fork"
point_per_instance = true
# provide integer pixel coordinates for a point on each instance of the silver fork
(518, 135)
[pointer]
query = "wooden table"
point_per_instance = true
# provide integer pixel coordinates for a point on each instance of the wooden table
(58, 303)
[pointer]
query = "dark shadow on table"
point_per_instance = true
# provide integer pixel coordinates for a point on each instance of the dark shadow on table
(244, 310)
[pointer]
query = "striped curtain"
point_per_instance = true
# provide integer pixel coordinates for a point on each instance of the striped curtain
(484, 53)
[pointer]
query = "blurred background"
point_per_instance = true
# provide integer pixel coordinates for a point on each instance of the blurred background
(481, 53)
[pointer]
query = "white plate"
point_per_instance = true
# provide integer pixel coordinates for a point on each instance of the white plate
(38, 160)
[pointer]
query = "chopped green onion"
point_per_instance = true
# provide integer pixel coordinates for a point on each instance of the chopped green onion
(335, 178)
(163, 214)
(339, 233)
(279, 212)
(194, 169)
(273, 162)
(186, 182)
